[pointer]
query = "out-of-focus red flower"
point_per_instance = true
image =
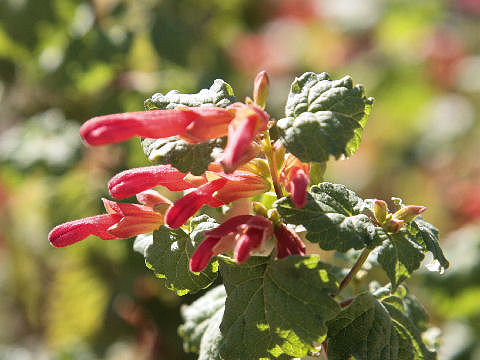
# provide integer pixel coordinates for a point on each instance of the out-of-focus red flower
(243, 234)
(248, 122)
(295, 175)
(194, 124)
(443, 52)
(121, 221)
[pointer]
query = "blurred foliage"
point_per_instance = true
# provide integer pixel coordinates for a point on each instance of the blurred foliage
(63, 61)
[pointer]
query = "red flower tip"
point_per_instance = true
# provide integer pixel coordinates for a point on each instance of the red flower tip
(248, 122)
(133, 181)
(74, 231)
(114, 128)
(288, 242)
(295, 175)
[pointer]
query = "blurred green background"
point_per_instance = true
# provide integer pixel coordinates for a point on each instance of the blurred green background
(64, 61)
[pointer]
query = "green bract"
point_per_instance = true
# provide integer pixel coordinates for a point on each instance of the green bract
(324, 117)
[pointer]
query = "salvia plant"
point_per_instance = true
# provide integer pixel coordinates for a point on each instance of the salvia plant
(277, 298)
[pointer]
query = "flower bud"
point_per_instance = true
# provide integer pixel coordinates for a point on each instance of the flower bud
(408, 213)
(381, 210)
(279, 154)
(259, 209)
(260, 89)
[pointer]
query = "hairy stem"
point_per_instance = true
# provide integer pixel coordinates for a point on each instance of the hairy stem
(268, 150)
(353, 271)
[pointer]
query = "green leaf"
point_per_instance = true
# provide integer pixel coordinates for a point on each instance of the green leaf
(276, 309)
(400, 256)
(369, 329)
(201, 329)
(220, 94)
(404, 251)
(184, 156)
(427, 236)
(324, 117)
(333, 217)
(169, 257)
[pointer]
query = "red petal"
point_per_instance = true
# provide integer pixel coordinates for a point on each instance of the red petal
(74, 231)
(135, 225)
(187, 206)
(298, 187)
(156, 124)
(151, 198)
(242, 130)
(211, 123)
(288, 242)
(203, 253)
(246, 242)
(133, 181)
(229, 226)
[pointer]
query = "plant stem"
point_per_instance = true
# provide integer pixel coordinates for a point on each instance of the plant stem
(353, 271)
(268, 150)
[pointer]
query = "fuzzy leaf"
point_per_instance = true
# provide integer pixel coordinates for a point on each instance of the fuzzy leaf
(400, 256)
(276, 309)
(333, 217)
(220, 94)
(370, 329)
(201, 330)
(169, 256)
(324, 117)
(184, 156)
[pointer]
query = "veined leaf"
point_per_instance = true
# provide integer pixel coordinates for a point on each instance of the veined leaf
(276, 309)
(404, 251)
(372, 329)
(169, 257)
(324, 117)
(333, 217)
(184, 156)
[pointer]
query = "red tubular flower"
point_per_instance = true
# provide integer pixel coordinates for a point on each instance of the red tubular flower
(288, 242)
(187, 206)
(133, 181)
(248, 122)
(121, 221)
(295, 175)
(188, 122)
(221, 189)
(74, 231)
(244, 233)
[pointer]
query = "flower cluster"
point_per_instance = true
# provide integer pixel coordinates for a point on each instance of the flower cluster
(242, 171)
